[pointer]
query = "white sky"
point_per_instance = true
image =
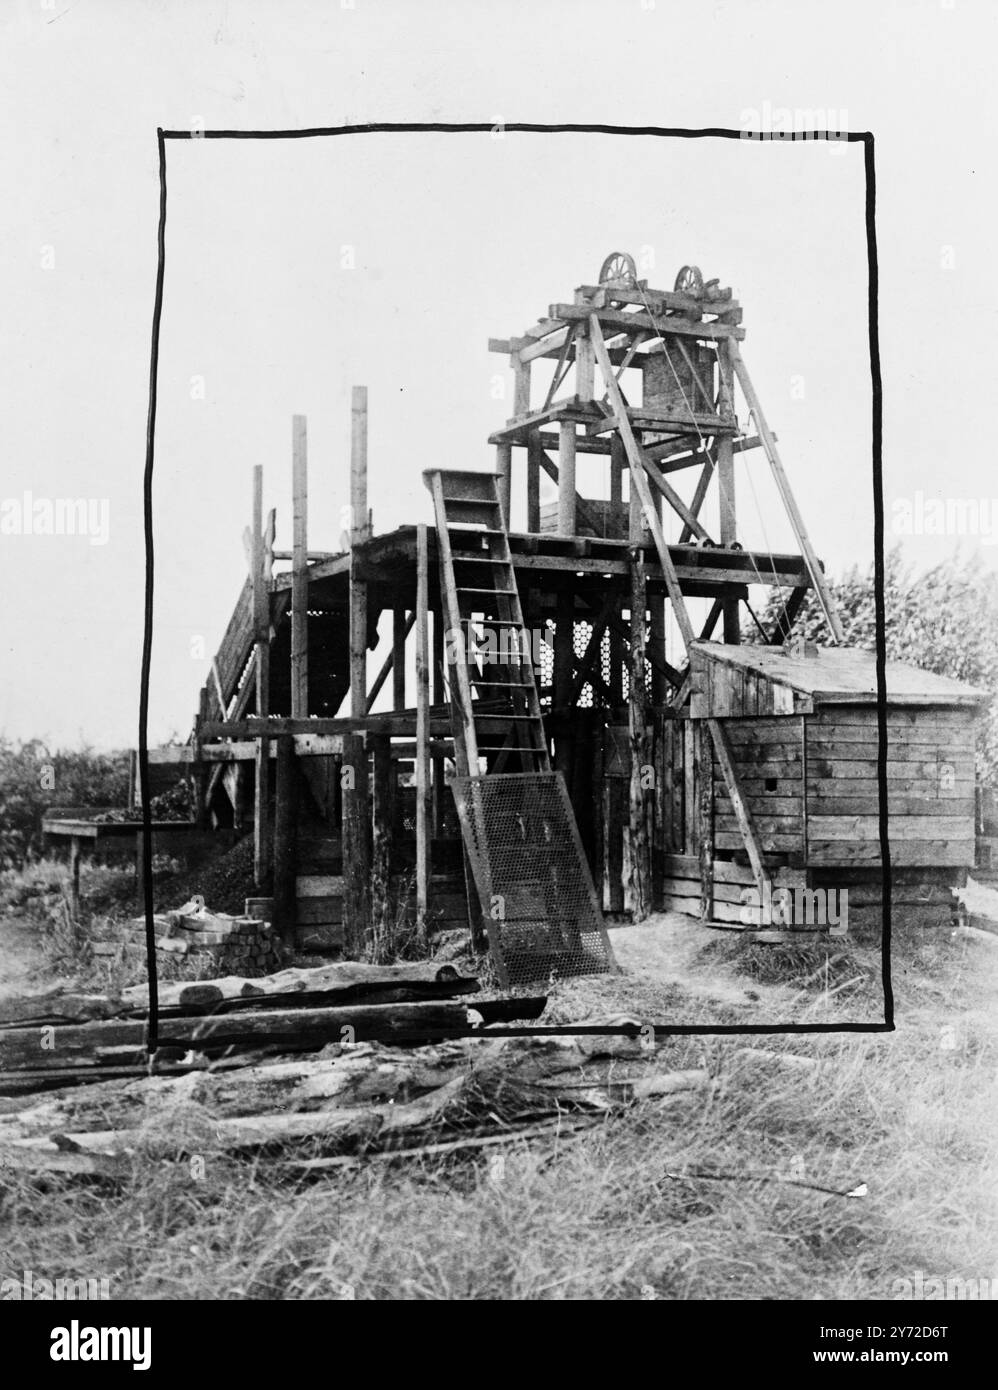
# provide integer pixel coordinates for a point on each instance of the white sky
(456, 238)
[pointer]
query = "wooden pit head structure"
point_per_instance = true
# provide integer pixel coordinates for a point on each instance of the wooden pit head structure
(534, 749)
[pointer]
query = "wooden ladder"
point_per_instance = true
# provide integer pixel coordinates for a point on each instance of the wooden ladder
(477, 578)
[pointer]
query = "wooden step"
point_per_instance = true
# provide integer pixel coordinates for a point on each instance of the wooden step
(466, 512)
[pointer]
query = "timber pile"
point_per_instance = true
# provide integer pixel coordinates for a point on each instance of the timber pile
(55, 1038)
(351, 1104)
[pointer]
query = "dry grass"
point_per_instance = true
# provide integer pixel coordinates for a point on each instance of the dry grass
(615, 1212)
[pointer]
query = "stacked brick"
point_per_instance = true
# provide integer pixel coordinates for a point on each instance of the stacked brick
(237, 945)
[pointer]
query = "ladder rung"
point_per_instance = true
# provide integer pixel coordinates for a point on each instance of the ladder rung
(467, 589)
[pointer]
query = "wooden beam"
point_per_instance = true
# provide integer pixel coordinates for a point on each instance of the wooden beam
(285, 825)
(356, 847)
(423, 790)
(638, 479)
(381, 835)
(783, 485)
(660, 683)
(566, 479)
(560, 371)
(673, 498)
(583, 510)
(504, 468)
(671, 461)
(585, 362)
(262, 848)
(640, 846)
(699, 494)
(704, 783)
(521, 385)
(299, 583)
(726, 490)
(738, 802)
(618, 322)
(402, 625)
(360, 531)
(534, 482)
(388, 666)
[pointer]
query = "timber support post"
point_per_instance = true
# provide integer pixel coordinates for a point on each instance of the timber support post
(423, 790)
(726, 489)
(262, 847)
(299, 582)
(640, 845)
(381, 836)
(285, 848)
(356, 847)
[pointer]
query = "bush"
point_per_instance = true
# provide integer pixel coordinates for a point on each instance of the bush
(32, 778)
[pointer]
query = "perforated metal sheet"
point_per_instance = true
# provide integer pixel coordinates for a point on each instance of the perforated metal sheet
(534, 886)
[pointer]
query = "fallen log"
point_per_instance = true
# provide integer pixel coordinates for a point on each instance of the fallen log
(359, 1076)
(49, 1158)
(322, 979)
(51, 1047)
(57, 1007)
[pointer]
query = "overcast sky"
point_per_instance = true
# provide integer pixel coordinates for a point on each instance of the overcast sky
(295, 269)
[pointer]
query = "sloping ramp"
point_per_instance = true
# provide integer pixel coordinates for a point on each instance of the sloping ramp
(533, 882)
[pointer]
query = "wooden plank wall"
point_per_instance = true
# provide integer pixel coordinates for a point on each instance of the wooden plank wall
(725, 692)
(769, 758)
(930, 772)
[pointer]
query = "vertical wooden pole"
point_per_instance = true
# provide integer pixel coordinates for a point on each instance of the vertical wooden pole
(635, 520)
(299, 577)
(200, 768)
(439, 789)
(566, 478)
(262, 848)
(356, 819)
(691, 819)
(637, 727)
(356, 846)
(74, 876)
(381, 835)
(358, 536)
(725, 456)
(620, 531)
(285, 805)
(534, 481)
(615, 530)
(704, 752)
(239, 797)
(423, 804)
(564, 651)
(585, 364)
(521, 387)
(504, 467)
(398, 658)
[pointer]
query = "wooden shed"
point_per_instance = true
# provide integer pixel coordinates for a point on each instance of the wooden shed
(798, 727)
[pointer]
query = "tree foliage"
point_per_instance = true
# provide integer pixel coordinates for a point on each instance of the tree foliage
(32, 778)
(944, 620)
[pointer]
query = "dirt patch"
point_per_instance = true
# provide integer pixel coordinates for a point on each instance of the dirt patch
(23, 967)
